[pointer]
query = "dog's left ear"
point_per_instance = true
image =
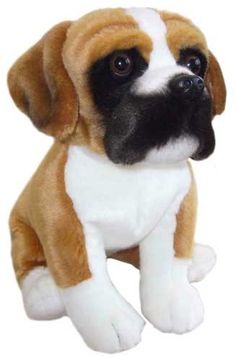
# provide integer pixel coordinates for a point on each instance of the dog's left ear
(216, 85)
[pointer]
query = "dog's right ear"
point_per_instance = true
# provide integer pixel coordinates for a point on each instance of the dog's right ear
(40, 86)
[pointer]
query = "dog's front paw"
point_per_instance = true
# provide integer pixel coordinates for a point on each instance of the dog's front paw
(176, 308)
(104, 319)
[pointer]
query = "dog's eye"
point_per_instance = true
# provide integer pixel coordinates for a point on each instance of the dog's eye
(194, 64)
(121, 65)
(194, 60)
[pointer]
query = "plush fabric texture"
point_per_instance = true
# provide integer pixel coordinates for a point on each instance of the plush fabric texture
(184, 233)
(91, 38)
(182, 33)
(176, 26)
(216, 85)
(40, 81)
(41, 88)
(83, 205)
(41, 296)
(44, 225)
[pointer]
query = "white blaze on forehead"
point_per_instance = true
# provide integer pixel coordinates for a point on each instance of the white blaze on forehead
(151, 23)
(162, 65)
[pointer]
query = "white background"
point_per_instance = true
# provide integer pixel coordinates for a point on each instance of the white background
(22, 23)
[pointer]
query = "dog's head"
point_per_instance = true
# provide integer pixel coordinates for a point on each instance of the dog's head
(136, 84)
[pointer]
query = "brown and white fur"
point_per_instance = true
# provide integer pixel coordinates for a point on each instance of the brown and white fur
(80, 208)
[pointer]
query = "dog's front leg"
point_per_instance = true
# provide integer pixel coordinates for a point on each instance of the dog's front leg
(168, 300)
(102, 316)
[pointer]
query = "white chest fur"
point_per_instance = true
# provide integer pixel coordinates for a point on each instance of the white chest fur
(122, 204)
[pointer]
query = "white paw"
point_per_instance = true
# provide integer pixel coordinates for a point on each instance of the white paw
(104, 319)
(203, 261)
(178, 309)
(169, 302)
(41, 296)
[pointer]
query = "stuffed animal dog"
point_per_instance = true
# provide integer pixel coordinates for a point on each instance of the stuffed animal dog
(129, 96)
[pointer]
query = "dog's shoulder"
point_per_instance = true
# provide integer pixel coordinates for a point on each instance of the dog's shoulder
(46, 185)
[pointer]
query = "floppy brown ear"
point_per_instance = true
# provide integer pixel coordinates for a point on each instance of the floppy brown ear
(41, 88)
(216, 85)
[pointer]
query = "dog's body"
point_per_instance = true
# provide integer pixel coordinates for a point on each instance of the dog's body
(116, 182)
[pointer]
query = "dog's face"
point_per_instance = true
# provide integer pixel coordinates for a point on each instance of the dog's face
(135, 84)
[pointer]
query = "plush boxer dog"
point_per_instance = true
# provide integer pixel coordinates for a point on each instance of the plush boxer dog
(129, 96)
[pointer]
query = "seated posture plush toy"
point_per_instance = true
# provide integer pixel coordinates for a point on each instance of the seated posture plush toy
(129, 96)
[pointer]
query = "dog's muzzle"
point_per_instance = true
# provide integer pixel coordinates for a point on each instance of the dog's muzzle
(140, 123)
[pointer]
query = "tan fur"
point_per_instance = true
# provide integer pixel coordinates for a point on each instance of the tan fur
(130, 256)
(89, 39)
(27, 251)
(182, 33)
(41, 88)
(44, 225)
(50, 84)
(216, 85)
(186, 223)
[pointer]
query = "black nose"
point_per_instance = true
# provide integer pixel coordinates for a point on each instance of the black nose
(187, 85)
